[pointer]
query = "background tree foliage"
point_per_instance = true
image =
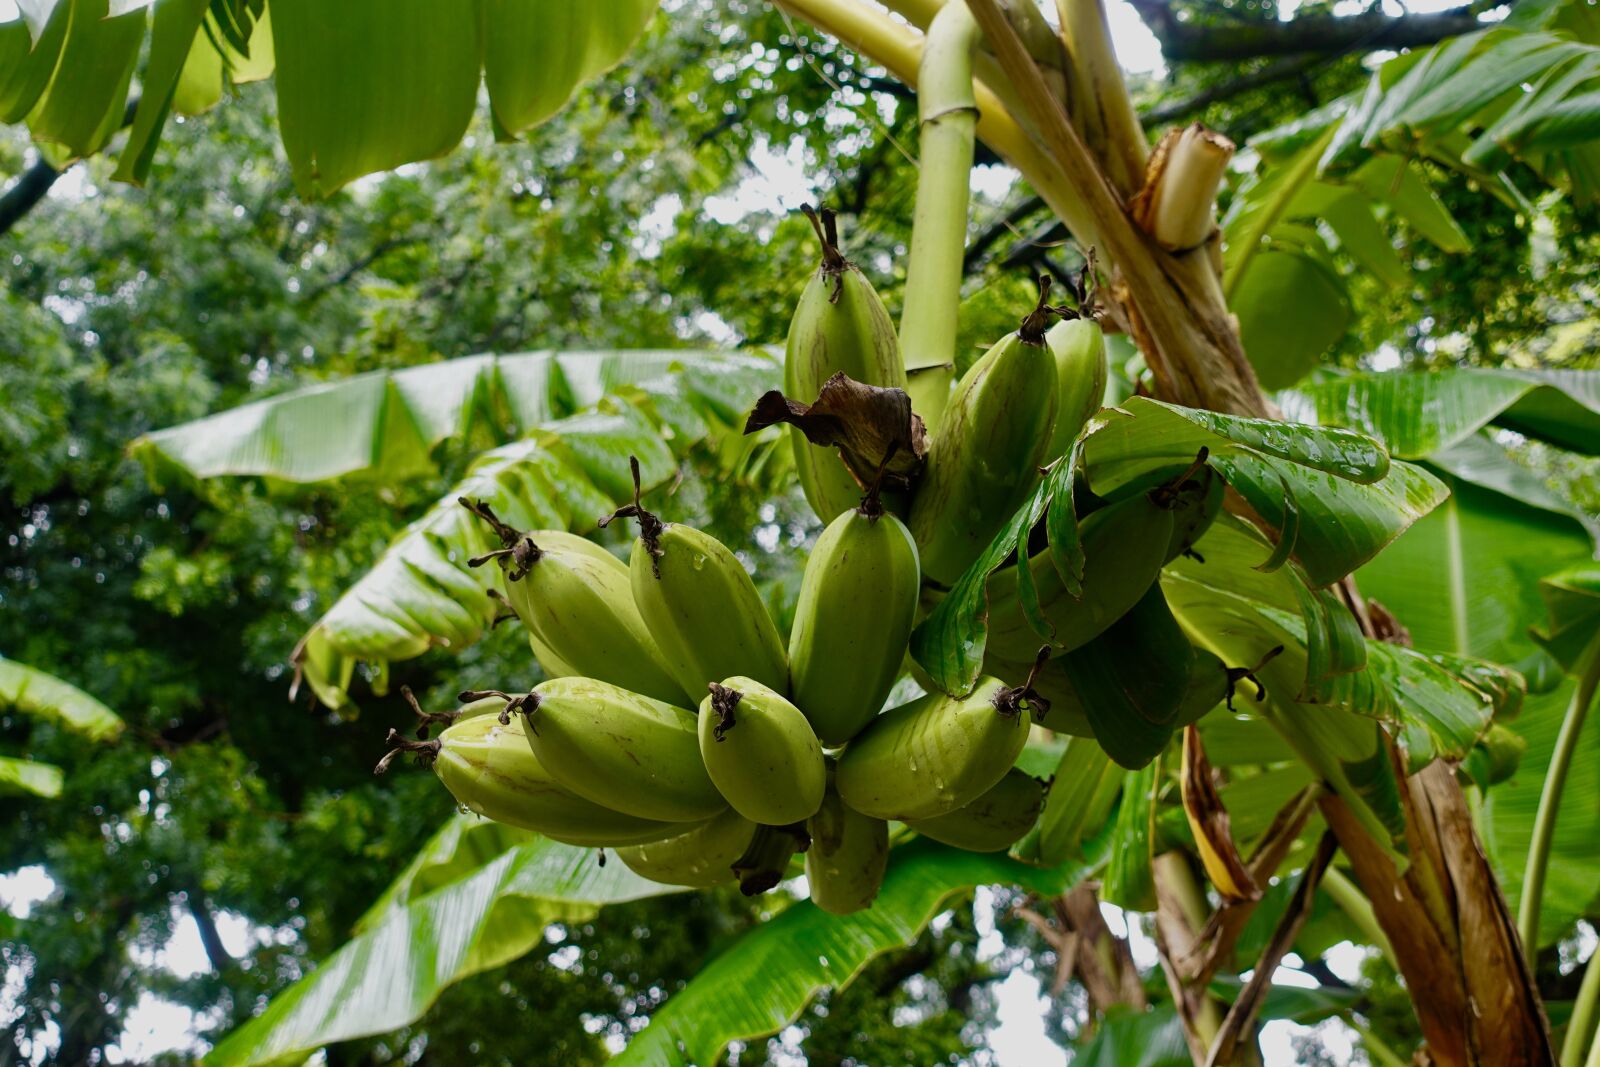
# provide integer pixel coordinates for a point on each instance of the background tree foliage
(619, 224)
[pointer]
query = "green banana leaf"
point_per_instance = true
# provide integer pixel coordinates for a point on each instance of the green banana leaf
(476, 923)
(1129, 1038)
(33, 692)
(1418, 415)
(1572, 601)
(765, 979)
(462, 846)
(363, 85)
(29, 777)
(383, 425)
(1465, 580)
(1332, 500)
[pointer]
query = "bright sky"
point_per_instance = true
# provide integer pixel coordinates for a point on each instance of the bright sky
(778, 181)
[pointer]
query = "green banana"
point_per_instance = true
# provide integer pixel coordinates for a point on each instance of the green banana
(984, 458)
(633, 754)
(858, 601)
(1123, 547)
(839, 325)
(575, 600)
(1208, 686)
(849, 853)
(1079, 349)
(700, 606)
(702, 858)
(1133, 679)
(992, 823)
(761, 752)
(934, 755)
(489, 768)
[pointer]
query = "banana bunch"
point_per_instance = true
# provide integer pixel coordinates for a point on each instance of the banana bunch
(676, 723)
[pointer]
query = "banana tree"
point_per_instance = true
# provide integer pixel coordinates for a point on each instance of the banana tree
(1355, 741)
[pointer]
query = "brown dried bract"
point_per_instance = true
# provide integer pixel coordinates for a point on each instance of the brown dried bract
(873, 428)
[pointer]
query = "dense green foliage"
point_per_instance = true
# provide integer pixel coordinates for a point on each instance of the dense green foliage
(620, 224)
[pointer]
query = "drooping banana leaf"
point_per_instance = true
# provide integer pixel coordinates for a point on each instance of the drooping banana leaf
(490, 918)
(765, 980)
(463, 845)
(29, 776)
(1417, 415)
(1465, 580)
(363, 85)
(33, 692)
(383, 425)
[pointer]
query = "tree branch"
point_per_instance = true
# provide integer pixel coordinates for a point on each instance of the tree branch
(1283, 70)
(1322, 35)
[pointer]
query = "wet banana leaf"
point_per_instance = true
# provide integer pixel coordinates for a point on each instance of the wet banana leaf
(1344, 496)
(1416, 415)
(483, 921)
(384, 425)
(33, 692)
(1128, 881)
(765, 979)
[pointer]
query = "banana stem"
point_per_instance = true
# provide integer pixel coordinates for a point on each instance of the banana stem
(1580, 1025)
(948, 108)
(1555, 780)
(1100, 93)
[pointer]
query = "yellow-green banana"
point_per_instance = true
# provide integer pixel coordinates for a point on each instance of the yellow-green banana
(702, 610)
(849, 853)
(1124, 544)
(761, 752)
(936, 754)
(984, 459)
(1079, 349)
(626, 751)
(839, 325)
(702, 858)
(858, 600)
(489, 768)
(575, 601)
(992, 823)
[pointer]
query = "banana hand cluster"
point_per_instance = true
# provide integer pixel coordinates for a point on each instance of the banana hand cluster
(677, 725)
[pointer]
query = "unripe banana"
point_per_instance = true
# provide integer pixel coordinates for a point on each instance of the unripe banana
(489, 768)
(575, 601)
(849, 853)
(761, 752)
(984, 458)
(702, 858)
(839, 325)
(701, 608)
(1124, 544)
(1079, 348)
(992, 823)
(936, 754)
(858, 600)
(626, 751)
